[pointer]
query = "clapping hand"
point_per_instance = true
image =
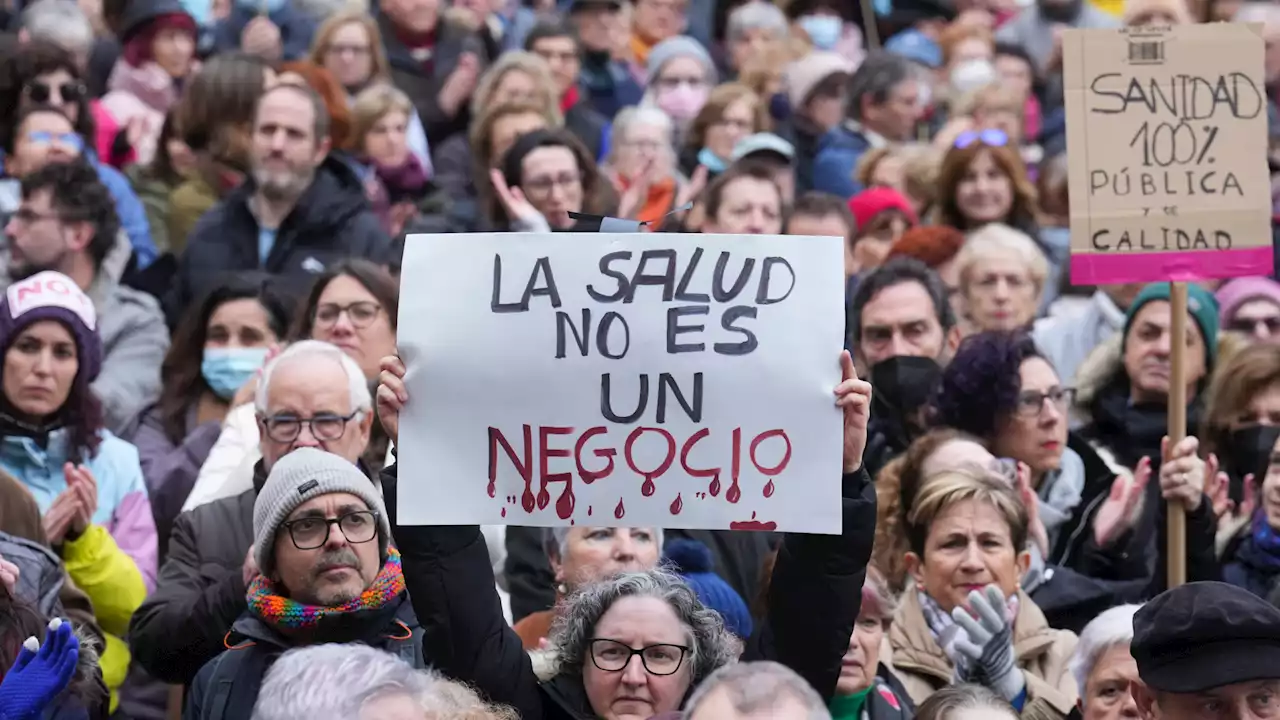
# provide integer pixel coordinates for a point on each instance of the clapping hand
(519, 209)
(988, 642)
(80, 480)
(1119, 512)
(1035, 526)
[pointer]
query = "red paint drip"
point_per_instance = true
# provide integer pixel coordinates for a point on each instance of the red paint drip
(768, 488)
(566, 502)
(493, 488)
(589, 507)
(526, 500)
(734, 494)
(648, 488)
(619, 511)
(715, 486)
(544, 498)
(753, 524)
(677, 505)
(504, 512)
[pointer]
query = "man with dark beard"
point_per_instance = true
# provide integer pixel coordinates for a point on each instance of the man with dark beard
(298, 212)
(327, 574)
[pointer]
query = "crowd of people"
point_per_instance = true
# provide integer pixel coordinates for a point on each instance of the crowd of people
(205, 206)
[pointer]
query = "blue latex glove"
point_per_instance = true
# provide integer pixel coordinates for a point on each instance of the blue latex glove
(39, 674)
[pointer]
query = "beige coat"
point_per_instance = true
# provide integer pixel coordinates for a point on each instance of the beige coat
(1041, 651)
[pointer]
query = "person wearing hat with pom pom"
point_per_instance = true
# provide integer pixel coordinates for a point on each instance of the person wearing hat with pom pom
(327, 574)
(87, 482)
(692, 561)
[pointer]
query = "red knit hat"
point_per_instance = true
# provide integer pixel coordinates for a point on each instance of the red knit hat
(932, 245)
(867, 204)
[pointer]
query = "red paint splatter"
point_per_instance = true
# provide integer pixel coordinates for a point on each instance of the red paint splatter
(648, 488)
(566, 502)
(504, 512)
(768, 489)
(589, 510)
(753, 524)
(677, 505)
(619, 511)
(734, 493)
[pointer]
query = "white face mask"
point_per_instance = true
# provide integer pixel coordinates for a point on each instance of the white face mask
(971, 75)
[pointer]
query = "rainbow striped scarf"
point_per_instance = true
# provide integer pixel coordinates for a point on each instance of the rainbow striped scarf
(281, 612)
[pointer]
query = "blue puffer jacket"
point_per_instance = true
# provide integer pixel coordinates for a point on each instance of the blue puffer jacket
(838, 154)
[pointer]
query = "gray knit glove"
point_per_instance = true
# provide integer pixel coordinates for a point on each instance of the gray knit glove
(988, 643)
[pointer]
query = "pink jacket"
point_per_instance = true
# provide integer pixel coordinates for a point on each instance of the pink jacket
(143, 94)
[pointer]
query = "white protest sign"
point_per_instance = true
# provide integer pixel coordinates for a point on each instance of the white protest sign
(645, 379)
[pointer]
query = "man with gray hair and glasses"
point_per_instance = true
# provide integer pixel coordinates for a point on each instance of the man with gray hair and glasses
(310, 396)
(755, 691)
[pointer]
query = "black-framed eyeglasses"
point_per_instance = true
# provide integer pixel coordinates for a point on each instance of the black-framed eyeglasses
(325, 426)
(1031, 403)
(309, 533)
(1255, 326)
(361, 313)
(69, 92)
(613, 656)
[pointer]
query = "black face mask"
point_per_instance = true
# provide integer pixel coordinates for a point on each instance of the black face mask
(903, 384)
(1056, 11)
(1250, 451)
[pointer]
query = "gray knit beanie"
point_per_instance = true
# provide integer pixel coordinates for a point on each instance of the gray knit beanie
(681, 46)
(299, 476)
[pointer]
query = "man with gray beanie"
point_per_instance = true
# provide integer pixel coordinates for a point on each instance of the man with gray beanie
(328, 575)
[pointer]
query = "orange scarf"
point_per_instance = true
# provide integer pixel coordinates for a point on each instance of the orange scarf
(640, 49)
(662, 195)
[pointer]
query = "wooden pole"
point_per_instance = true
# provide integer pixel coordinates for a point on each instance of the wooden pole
(869, 26)
(1175, 512)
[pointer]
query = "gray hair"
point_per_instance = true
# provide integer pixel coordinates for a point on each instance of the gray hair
(1111, 628)
(554, 539)
(710, 645)
(945, 703)
(60, 22)
(634, 116)
(361, 398)
(879, 74)
(755, 15)
(757, 688)
(336, 680)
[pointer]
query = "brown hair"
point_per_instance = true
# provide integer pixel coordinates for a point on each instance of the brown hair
(1054, 191)
(371, 105)
(371, 277)
(746, 169)
(481, 138)
(896, 487)
(721, 98)
(955, 164)
(1235, 382)
(381, 70)
(333, 95)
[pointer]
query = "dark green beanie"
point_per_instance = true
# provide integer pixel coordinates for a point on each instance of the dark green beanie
(1201, 306)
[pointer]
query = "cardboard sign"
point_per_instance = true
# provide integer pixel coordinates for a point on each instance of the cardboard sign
(622, 380)
(1167, 153)
(51, 288)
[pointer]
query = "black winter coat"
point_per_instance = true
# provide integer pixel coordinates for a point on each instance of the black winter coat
(814, 598)
(331, 222)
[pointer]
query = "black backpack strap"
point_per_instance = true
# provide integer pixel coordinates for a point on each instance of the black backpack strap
(235, 682)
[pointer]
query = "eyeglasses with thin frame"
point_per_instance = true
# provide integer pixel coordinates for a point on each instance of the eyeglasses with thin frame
(1031, 402)
(543, 185)
(360, 313)
(1251, 326)
(325, 426)
(354, 50)
(309, 533)
(27, 216)
(614, 656)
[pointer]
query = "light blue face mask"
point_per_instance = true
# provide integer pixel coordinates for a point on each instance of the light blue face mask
(226, 370)
(712, 161)
(823, 30)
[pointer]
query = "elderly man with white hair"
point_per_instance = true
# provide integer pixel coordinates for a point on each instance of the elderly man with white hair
(313, 395)
(755, 691)
(61, 22)
(1103, 667)
(357, 682)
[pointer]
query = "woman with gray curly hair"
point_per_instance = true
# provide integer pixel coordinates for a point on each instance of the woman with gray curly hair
(635, 645)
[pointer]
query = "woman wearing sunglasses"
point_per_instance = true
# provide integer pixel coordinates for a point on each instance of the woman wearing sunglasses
(45, 74)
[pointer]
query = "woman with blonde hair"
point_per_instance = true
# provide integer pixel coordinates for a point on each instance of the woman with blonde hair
(379, 139)
(1002, 276)
(967, 619)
